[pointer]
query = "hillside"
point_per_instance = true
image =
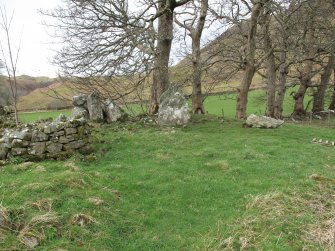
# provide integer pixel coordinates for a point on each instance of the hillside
(44, 98)
(26, 84)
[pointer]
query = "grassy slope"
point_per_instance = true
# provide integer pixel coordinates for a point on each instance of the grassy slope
(210, 186)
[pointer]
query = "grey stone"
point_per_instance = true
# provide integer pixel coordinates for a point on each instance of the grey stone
(69, 131)
(113, 112)
(263, 122)
(61, 118)
(80, 100)
(38, 136)
(37, 148)
(95, 108)
(75, 145)
(79, 112)
(54, 147)
(3, 152)
(18, 151)
(173, 108)
(18, 143)
(25, 134)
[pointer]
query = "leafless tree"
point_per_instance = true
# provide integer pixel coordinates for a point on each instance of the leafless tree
(107, 42)
(194, 24)
(10, 56)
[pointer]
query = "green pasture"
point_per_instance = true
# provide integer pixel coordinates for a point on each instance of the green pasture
(212, 185)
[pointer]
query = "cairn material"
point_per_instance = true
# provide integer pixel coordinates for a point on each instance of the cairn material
(173, 108)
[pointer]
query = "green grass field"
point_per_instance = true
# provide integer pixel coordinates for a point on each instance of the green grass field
(211, 185)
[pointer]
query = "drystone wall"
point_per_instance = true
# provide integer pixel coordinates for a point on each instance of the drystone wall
(58, 139)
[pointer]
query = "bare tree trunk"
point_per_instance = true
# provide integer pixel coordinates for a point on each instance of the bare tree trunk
(249, 72)
(197, 99)
(161, 70)
(332, 101)
(319, 97)
(305, 76)
(270, 67)
(283, 71)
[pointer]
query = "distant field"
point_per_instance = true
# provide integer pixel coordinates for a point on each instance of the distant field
(33, 116)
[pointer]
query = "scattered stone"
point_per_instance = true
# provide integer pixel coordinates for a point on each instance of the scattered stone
(173, 108)
(263, 122)
(95, 200)
(323, 142)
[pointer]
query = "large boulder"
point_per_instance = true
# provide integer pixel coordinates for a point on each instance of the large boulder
(173, 108)
(263, 122)
(95, 108)
(112, 111)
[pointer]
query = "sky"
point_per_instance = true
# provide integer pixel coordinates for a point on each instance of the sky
(37, 46)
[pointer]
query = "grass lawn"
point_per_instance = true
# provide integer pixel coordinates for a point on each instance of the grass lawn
(212, 185)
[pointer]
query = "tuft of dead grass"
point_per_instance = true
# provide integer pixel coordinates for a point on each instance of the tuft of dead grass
(308, 217)
(43, 205)
(95, 201)
(221, 164)
(82, 219)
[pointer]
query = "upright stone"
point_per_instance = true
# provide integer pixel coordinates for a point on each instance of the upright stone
(113, 112)
(173, 108)
(94, 107)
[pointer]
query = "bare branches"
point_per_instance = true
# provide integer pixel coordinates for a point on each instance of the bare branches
(10, 56)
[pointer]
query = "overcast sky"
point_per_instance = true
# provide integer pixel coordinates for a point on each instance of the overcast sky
(36, 46)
